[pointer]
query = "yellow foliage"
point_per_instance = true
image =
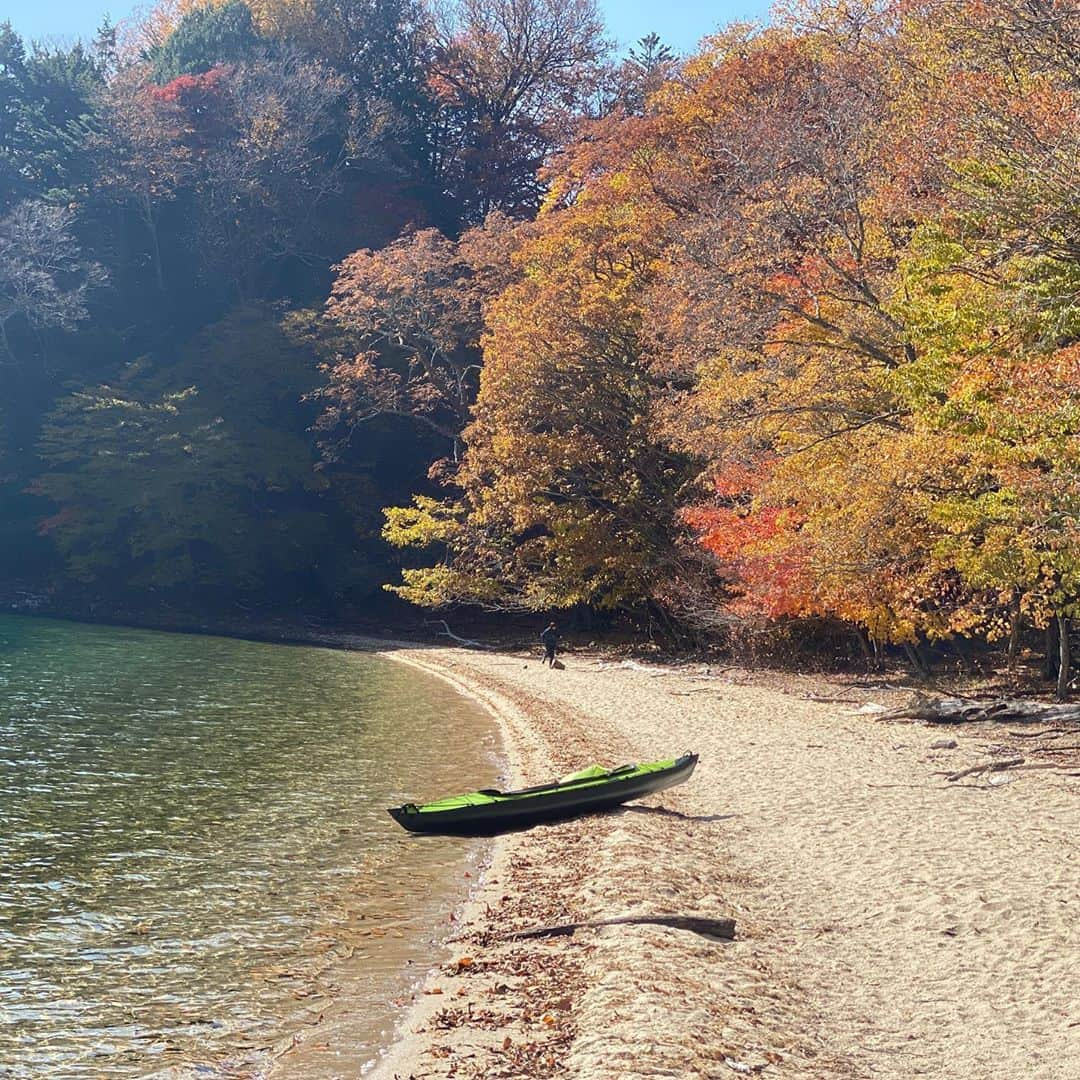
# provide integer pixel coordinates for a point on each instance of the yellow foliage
(284, 19)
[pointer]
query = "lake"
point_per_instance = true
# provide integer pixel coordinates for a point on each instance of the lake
(197, 873)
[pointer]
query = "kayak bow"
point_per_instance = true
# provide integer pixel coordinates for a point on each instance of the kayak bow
(588, 790)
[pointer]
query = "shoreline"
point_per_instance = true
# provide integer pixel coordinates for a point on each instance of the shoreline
(881, 930)
(524, 753)
(890, 924)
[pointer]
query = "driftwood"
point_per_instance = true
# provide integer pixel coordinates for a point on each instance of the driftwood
(1012, 765)
(986, 766)
(716, 928)
(1055, 731)
(447, 632)
(954, 710)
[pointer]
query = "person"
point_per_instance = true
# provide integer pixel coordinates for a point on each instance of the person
(550, 640)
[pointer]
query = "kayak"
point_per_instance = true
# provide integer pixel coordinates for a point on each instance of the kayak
(594, 788)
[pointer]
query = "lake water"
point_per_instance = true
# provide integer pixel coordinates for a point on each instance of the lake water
(197, 873)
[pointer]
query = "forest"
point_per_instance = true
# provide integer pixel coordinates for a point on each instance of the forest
(305, 301)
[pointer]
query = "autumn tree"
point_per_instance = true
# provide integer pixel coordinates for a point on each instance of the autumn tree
(1006, 491)
(864, 393)
(144, 161)
(774, 322)
(414, 312)
(376, 44)
(272, 170)
(382, 48)
(508, 78)
(990, 286)
(566, 494)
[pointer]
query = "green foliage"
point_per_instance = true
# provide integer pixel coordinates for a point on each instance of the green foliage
(48, 110)
(204, 38)
(199, 476)
(994, 398)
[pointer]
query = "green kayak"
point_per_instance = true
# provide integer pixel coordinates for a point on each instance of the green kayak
(595, 788)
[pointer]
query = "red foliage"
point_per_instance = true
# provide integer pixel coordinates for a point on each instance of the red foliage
(192, 92)
(201, 98)
(56, 521)
(758, 548)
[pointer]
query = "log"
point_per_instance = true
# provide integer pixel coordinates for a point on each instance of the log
(955, 710)
(986, 766)
(447, 632)
(697, 924)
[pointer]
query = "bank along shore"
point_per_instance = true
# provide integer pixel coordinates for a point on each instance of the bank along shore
(890, 924)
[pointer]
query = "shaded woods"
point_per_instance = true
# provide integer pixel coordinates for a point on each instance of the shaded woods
(782, 333)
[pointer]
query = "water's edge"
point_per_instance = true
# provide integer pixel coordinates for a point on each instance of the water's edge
(290, 1062)
(290, 1057)
(401, 1054)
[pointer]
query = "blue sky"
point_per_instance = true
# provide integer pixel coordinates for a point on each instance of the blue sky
(680, 23)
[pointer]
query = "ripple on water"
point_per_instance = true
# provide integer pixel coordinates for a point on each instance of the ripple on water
(194, 852)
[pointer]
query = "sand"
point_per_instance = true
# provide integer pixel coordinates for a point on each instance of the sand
(890, 924)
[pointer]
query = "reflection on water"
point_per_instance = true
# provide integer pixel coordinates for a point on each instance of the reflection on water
(195, 858)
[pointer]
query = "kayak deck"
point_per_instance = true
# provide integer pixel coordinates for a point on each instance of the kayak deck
(586, 791)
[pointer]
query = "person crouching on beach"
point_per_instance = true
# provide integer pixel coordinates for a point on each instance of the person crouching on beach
(550, 640)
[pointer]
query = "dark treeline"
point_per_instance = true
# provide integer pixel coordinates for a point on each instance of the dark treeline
(173, 199)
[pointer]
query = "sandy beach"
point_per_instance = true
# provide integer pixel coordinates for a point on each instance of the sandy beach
(890, 924)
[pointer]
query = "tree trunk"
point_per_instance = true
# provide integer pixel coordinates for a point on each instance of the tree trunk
(669, 632)
(155, 245)
(1051, 652)
(1014, 631)
(864, 647)
(918, 664)
(1064, 658)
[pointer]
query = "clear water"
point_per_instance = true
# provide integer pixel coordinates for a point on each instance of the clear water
(197, 873)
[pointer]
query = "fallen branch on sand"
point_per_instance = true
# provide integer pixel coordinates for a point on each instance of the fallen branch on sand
(954, 710)
(1054, 731)
(717, 928)
(447, 632)
(986, 766)
(1012, 765)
